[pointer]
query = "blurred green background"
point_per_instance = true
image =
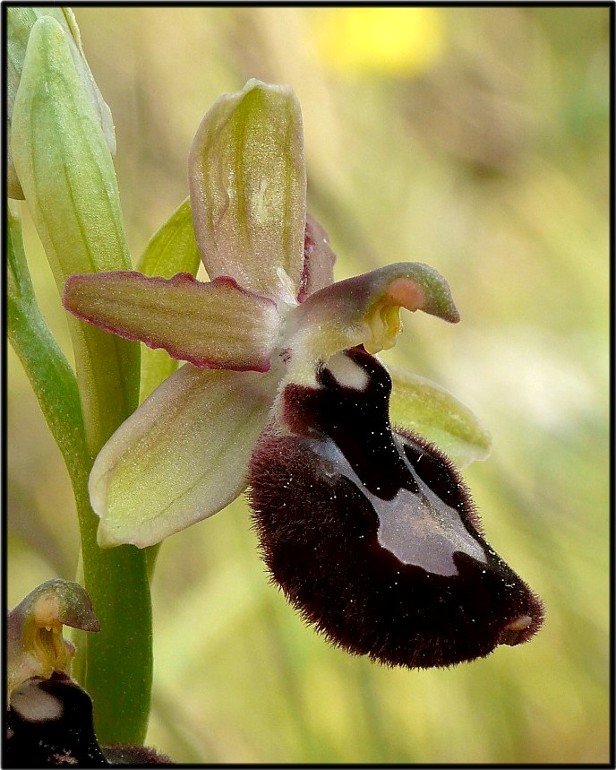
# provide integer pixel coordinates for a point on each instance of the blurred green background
(473, 139)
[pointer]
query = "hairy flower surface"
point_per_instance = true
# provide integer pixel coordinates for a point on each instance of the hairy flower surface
(379, 544)
(267, 341)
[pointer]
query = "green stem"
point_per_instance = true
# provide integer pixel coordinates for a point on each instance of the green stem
(119, 657)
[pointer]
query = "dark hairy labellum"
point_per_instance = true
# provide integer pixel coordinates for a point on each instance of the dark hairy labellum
(49, 723)
(372, 534)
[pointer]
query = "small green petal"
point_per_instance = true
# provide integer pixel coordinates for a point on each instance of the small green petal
(171, 250)
(428, 409)
(248, 189)
(181, 457)
(218, 324)
(363, 310)
(35, 646)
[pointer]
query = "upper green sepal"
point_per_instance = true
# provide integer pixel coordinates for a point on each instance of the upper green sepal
(248, 189)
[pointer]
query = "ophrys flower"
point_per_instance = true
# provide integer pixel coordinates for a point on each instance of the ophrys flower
(278, 354)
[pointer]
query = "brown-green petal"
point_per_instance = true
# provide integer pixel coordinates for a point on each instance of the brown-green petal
(248, 189)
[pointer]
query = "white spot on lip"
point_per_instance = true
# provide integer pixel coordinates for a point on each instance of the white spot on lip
(34, 704)
(347, 373)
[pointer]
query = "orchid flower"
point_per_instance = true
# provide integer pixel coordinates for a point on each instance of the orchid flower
(369, 530)
(49, 717)
(35, 645)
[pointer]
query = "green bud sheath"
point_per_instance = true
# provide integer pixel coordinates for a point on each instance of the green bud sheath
(20, 21)
(68, 179)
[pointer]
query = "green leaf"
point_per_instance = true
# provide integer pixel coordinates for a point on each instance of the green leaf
(429, 410)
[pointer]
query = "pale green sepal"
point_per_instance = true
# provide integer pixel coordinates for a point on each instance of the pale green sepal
(20, 21)
(35, 645)
(181, 457)
(67, 175)
(248, 189)
(172, 249)
(428, 409)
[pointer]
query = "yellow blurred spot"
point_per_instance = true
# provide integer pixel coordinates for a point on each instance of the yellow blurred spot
(398, 41)
(385, 326)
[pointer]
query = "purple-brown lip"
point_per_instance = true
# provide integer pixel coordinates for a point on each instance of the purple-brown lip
(372, 534)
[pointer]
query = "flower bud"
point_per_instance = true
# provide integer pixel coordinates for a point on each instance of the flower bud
(68, 179)
(20, 21)
(49, 723)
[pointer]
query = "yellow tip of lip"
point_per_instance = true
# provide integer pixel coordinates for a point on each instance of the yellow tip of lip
(512, 632)
(521, 623)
